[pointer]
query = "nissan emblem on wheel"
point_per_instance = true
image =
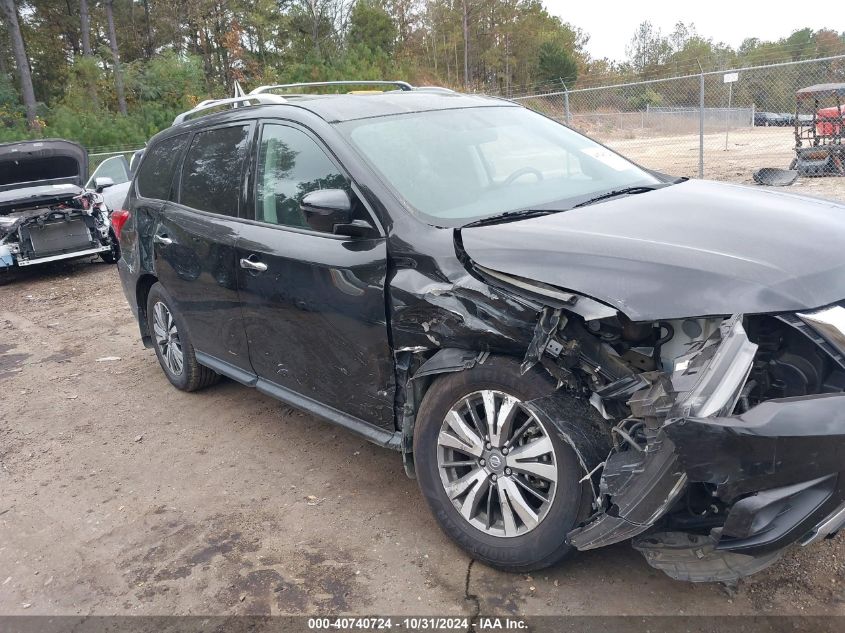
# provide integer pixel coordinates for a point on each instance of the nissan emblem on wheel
(568, 350)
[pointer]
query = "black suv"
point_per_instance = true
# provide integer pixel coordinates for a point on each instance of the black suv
(568, 350)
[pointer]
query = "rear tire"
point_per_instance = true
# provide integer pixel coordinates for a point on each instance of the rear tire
(529, 547)
(172, 344)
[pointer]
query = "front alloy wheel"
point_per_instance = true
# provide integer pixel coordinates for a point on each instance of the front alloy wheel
(497, 474)
(497, 463)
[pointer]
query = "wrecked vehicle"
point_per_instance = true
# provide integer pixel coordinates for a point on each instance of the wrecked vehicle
(45, 214)
(568, 350)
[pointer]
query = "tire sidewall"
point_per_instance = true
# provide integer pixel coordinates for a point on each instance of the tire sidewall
(546, 543)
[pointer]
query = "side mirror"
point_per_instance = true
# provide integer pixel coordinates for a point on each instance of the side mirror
(325, 208)
(102, 182)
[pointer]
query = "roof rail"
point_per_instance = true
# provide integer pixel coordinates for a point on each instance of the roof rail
(233, 101)
(436, 89)
(402, 85)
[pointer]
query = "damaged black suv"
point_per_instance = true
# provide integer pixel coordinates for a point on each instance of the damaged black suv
(567, 349)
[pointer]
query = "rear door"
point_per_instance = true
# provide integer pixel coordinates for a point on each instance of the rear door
(314, 313)
(194, 243)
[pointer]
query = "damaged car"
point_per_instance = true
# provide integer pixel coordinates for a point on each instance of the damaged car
(45, 213)
(568, 350)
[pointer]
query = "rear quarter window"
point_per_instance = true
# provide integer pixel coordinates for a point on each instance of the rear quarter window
(212, 170)
(155, 175)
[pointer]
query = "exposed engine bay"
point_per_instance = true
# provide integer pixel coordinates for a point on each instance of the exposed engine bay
(46, 212)
(698, 473)
(75, 226)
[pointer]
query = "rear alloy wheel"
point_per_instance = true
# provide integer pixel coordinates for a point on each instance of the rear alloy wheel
(499, 479)
(497, 463)
(167, 339)
(173, 345)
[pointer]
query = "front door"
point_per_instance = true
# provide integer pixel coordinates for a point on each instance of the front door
(313, 303)
(194, 243)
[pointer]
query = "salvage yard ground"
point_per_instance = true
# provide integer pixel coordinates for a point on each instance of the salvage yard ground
(747, 150)
(121, 495)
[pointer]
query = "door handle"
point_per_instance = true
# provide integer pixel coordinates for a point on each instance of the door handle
(251, 265)
(162, 239)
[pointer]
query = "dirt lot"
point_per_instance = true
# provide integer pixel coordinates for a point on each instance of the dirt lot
(747, 150)
(121, 495)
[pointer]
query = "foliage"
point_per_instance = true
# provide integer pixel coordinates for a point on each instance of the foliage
(648, 97)
(555, 64)
(181, 52)
(371, 26)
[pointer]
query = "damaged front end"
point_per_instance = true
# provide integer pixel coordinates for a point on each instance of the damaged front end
(712, 443)
(45, 212)
(707, 493)
(74, 226)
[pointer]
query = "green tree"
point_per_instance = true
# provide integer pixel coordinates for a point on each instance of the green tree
(554, 63)
(10, 14)
(371, 26)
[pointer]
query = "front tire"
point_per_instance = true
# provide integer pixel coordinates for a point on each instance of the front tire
(507, 492)
(173, 345)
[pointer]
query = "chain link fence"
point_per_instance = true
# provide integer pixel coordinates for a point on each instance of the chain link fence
(718, 125)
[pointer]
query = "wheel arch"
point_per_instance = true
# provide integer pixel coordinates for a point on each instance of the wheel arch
(416, 374)
(142, 291)
(588, 437)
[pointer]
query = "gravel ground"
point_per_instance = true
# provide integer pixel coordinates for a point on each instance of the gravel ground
(121, 495)
(747, 150)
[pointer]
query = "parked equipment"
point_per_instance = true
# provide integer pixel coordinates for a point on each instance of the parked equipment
(819, 150)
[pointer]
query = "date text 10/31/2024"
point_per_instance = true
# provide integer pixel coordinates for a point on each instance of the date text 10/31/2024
(376, 623)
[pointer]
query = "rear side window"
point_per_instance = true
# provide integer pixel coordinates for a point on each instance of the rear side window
(156, 172)
(211, 173)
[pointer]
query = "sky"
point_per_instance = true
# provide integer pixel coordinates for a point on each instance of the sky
(611, 24)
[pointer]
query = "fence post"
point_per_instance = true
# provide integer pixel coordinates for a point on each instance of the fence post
(701, 128)
(753, 112)
(566, 104)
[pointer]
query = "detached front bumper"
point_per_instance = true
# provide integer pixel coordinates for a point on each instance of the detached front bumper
(781, 465)
(776, 472)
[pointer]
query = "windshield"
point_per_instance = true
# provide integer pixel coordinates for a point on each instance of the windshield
(463, 165)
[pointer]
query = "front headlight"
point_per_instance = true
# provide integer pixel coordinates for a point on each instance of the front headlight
(830, 323)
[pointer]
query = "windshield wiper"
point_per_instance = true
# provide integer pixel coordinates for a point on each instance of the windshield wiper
(523, 214)
(519, 214)
(620, 192)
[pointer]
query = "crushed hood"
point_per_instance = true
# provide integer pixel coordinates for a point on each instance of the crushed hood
(31, 164)
(692, 249)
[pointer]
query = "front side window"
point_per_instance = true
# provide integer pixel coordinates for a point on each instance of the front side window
(155, 175)
(290, 164)
(457, 166)
(213, 168)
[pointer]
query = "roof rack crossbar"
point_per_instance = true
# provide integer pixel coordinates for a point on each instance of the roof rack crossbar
(231, 101)
(402, 85)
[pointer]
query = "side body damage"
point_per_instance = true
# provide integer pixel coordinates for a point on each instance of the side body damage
(714, 443)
